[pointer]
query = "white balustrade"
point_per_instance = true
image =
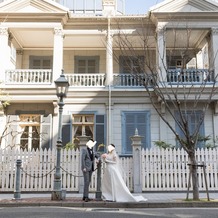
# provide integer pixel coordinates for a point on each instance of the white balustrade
(35, 76)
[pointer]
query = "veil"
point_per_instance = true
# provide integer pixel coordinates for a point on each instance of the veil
(119, 165)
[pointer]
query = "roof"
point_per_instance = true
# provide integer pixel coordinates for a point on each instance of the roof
(185, 6)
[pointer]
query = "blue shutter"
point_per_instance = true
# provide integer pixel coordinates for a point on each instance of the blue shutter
(66, 129)
(193, 118)
(45, 135)
(100, 131)
(132, 121)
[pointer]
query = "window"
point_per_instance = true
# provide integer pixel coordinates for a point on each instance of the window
(132, 121)
(40, 62)
(130, 65)
(89, 124)
(87, 64)
(82, 5)
(193, 118)
(83, 125)
(30, 131)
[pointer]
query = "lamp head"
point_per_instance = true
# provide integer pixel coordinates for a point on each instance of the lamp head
(61, 86)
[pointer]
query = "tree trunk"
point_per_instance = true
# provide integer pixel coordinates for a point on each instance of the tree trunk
(194, 168)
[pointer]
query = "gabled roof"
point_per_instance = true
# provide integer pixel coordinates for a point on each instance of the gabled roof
(185, 6)
(31, 6)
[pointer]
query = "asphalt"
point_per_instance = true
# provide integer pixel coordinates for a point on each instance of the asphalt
(154, 200)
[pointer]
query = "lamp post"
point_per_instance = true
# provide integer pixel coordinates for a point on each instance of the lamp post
(61, 90)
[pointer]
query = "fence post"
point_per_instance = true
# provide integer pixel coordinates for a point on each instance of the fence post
(136, 149)
(82, 145)
(98, 193)
(17, 183)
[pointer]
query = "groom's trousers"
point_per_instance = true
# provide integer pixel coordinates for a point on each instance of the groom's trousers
(87, 179)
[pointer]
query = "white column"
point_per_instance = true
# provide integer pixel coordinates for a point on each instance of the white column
(109, 109)
(213, 56)
(109, 57)
(137, 162)
(161, 52)
(58, 53)
(109, 83)
(4, 52)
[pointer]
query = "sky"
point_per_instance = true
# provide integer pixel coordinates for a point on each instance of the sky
(139, 6)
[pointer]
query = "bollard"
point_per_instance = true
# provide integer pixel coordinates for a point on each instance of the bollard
(98, 191)
(17, 184)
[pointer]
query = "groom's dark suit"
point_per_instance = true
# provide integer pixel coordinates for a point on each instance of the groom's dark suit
(87, 166)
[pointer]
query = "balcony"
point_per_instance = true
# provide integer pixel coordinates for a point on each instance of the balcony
(189, 76)
(37, 77)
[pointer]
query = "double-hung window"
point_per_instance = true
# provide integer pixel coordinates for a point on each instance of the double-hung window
(87, 64)
(131, 65)
(30, 131)
(40, 62)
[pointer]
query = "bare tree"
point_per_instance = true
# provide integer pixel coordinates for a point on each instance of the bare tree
(176, 94)
(10, 135)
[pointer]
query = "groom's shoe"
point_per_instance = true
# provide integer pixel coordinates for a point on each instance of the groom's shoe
(86, 199)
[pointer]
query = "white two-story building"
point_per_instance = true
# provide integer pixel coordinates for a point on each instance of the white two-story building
(40, 38)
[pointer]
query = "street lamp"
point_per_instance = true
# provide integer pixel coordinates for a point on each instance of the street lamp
(61, 90)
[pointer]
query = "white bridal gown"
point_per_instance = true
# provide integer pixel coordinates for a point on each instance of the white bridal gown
(113, 185)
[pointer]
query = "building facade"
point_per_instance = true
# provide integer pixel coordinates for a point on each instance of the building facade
(41, 38)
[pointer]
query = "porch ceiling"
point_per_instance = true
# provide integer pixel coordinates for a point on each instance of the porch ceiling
(186, 38)
(44, 39)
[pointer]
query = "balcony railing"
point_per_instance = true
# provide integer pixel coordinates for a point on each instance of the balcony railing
(28, 77)
(35, 77)
(83, 80)
(130, 80)
(189, 76)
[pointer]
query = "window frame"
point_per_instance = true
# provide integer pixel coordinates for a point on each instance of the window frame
(33, 58)
(30, 124)
(131, 59)
(86, 59)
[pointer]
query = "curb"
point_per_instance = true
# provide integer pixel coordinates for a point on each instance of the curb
(103, 204)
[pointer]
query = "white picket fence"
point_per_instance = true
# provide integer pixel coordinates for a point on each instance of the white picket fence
(162, 170)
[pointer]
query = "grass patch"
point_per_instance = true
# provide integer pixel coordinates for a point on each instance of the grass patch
(201, 200)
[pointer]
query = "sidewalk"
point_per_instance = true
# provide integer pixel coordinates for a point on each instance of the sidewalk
(155, 200)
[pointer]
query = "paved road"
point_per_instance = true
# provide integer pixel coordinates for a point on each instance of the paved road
(55, 212)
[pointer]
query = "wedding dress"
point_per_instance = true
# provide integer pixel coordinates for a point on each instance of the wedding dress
(113, 185)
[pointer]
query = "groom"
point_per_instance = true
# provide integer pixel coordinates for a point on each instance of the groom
(87, 158)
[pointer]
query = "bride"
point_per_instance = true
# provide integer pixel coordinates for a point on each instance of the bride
(113, 185)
